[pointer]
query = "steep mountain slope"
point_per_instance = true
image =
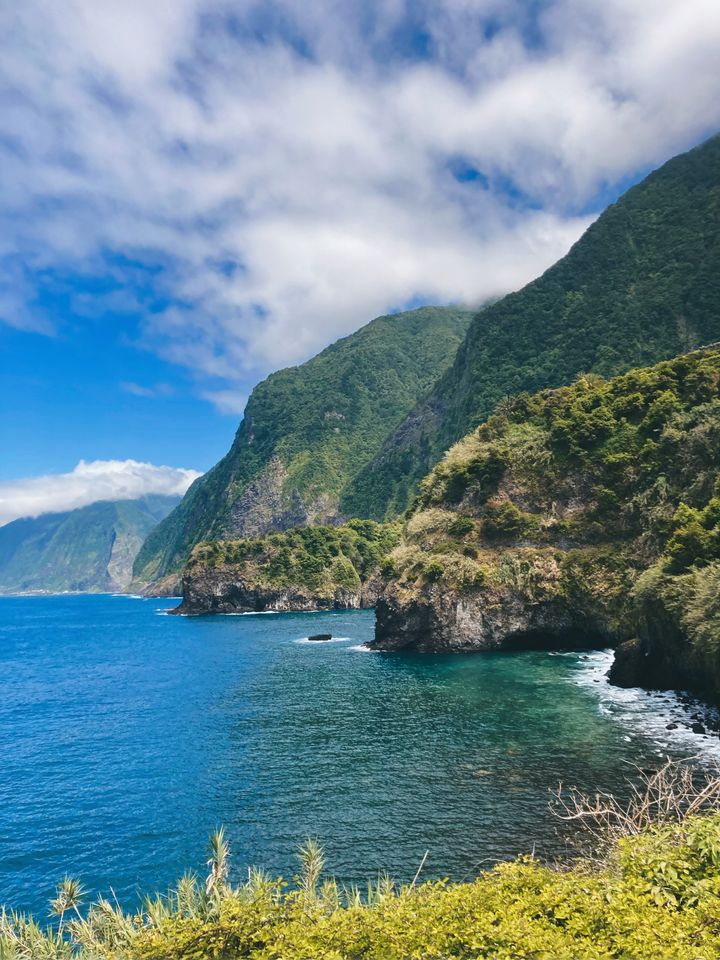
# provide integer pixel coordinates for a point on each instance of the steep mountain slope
(641, 285)
(585, 515)
(306, 432)
(90, 549)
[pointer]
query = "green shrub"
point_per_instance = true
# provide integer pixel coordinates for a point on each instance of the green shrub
(504, 520)
(433, 569)
(656, 898)
(461, 526)
(321, 559)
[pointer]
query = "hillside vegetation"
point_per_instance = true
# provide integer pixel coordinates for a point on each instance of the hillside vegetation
(90, 549)
(351, 432)
(540, 522)
(302, 569)
(642, 285)
(306, 431)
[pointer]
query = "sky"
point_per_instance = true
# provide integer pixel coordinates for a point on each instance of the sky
(197, 192)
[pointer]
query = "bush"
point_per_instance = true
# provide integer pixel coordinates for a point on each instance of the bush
(654, 895)
(461, 526)
(504, 520)
(433, 569)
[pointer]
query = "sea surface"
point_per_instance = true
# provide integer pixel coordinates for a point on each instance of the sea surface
(127, 736)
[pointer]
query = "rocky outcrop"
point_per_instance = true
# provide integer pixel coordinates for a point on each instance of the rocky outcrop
(313, 568)
(677, 632)
(220, 590)
(271, 503)
(586, 516)
(496, 617)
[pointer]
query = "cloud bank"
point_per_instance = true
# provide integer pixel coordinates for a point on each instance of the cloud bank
(87, 483)
(252, 180)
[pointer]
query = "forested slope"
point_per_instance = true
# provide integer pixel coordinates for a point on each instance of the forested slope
(641, 285)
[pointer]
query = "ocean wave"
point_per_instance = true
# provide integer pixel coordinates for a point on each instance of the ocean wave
(663, 716)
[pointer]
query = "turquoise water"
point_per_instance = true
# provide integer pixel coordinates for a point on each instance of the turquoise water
(126, 736)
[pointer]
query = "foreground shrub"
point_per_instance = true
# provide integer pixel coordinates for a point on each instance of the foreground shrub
(651, 893)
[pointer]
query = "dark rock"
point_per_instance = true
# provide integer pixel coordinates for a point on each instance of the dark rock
(209, 589)
(698, 728)
(321, 637)
(436, 620)
(672, 726)
(627, 667)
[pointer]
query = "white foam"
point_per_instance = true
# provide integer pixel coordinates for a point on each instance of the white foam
(320, 642)
(262, 613)
(362, 648)
(648, 712)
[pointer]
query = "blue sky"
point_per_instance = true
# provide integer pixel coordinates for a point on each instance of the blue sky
(197, 192)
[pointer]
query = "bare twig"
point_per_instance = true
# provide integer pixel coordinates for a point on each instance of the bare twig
(669, 795)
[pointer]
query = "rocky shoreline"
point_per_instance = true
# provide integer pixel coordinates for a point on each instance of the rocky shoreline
(220, 590)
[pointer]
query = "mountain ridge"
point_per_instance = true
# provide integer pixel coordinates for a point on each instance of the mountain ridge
(86, 550)
(641, 285)
(306, 430)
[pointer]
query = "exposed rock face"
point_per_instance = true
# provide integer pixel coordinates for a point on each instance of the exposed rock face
(494, 619)
(271, 503)
(219, 590)
(122, 556)
(666, 654)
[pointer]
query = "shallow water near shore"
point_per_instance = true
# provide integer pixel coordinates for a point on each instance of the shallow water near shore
(127, 737)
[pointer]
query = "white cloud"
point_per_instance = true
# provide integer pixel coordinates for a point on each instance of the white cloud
(230, 402)
(288, 192)
(147, 392)
(87, 483)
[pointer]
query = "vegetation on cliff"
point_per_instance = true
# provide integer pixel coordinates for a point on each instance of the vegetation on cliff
(306, 431)
(352, 431)
(641, 285)
(568, 496)
(89, 549)
(316, 566)
(649, 889)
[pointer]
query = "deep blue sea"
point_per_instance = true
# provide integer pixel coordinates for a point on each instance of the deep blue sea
(127, 735)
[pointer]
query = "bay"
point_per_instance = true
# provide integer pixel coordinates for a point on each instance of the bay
(127, 736)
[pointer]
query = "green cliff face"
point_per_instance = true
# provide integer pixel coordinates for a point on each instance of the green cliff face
(307, 431)
(90, 549)
(642, 285)
(305, 569)
(352, 432)
(590, 513)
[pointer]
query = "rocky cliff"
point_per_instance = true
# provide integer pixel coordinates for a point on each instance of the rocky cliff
(306, 432)
(312, 568)
(587, 515)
